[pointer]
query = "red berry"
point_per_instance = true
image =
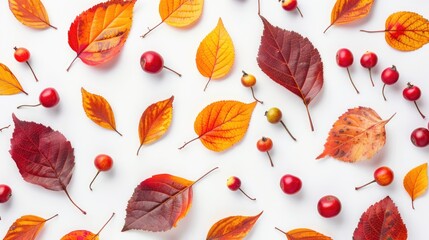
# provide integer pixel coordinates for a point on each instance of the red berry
(329, 206)
(290, 184)
(264, 144)
(383, 176)
(420, 137)
(233, 183)
(103, 162)
(49, 97)
(289, 5)
(21, 54)
(411, 92)
(369, 60)
(390, 75)
(344, 58)
(5, 193)
(151, 62)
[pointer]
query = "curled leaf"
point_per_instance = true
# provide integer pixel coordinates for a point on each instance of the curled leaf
(416, 182)
(98, 34)
(26, 228)
(215, 55)
(304, 234)
(9, 85)
(357, 135)
(347, 11)
(31, 13)
(381, 221)
(155, 121)
(235, 227)
(98, 110)
(222, 124)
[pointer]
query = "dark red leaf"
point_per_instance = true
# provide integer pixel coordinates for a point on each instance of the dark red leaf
(291, 61)
(381, 221)
(43, 156)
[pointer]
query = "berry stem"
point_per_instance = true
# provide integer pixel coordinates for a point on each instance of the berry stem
(309, 116)
(169, 69)
(241, 190)
(25, 105)
(350, 77)
(186, 143)
(287, 130)
(207, 84)
(418, 109)
(71, 200)
(3, 128)
(32, 71)
(271, 161)
(357, 188)
(72, 62)
(299, 10)
(101, 229)
(370, 76)
(90, 185)
(254, 97)
(278, 229)
(382, 92)
(56, 215)
(151, 29)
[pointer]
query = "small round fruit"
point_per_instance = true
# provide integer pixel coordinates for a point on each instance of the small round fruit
(420, 137)
(329, 206)
(369, 60)
(274, 115)
(411, 93)
(289, 5)
(5, 193)
(233, 183)
(383, 176)
(103, 162)
(49, 97)
(151, 62)
(390, 75)
(344, 57)
(264, 144)
(290, 184)
(21, 54)
(248, 80)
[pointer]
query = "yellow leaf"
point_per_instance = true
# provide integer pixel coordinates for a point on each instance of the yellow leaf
(180, 13)
(347, 11)
(26, 228)
(215, 55)
(9, 85)
(155, 121)
(31, 13)
(416, 182)
(98, 110)
(98, 34)
(235, 227)
(304, 234)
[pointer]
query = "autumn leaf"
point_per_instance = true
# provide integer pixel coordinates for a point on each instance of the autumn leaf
(291, 61)
(85, 234)
(43, 156)
(215, 55)
(235, 227)
(9, 85)
(31, 13)
(155, 121)
(98, 110)
(159, 203)
(98, 34)
(381, 221)
(405, 31)
(222, 124)
(26, 228)
(304, 234)
(179, 13)
(357, 135)
(347, 11)
(416, 182)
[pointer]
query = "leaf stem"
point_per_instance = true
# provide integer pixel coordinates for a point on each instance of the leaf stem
(186, 143)
(309, 117)
(418, 109)
(287, 130)
(120, 134)
(254, 97)
(56, 215)
(207, 84)
(382, 92)
(32, 70)
(328, 28)
(71, 200)
(150, 30)
(52, 26)
(203, 176)
(101, 229)
(271, 160)
(245, 194)
(278, 229)
(259, 7)
(26, 105)
(351, 80)
(299, 10)
(3, 128)
(370, 77)
(178, 74)
(138, 150)
(360, 187)
(72, 62)
(378, 31)
(96, 175)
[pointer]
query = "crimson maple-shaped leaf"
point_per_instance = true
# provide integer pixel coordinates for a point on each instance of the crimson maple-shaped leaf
(291, 61)
(43, 156)
(381, 221)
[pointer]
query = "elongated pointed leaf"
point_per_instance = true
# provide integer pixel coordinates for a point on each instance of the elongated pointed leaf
(234, 227)
(31, 13)
(9, 85)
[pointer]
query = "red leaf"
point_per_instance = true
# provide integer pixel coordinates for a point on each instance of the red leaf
(43, 156)
(381, 221)
(291, 61)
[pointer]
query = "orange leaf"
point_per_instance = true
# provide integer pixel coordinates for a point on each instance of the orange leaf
(26, 228)
(80, 235)
(98, 34)
(9, 85)
(357, 135)
(222, 124)
(155, 121)
(98, 110)
(304, 234)
(347, 11)
(416, 182)
(215, 55)
(31, 13)
(235, 227)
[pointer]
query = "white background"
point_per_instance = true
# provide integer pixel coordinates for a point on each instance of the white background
(130, 90)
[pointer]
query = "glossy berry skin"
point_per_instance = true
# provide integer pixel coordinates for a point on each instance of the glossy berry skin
(103, 162)
(151, 62)
(329, 206)
(264, 144)
(5, 193)
(289, 5)
(290, 184)
(412, 93)
(344, 58)
(383, 176)
(420, 137)
(390, 75)
(274, 115)
(21, 54)
(49, 97)
(233, 183)
(369, 60)
(248, 80)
